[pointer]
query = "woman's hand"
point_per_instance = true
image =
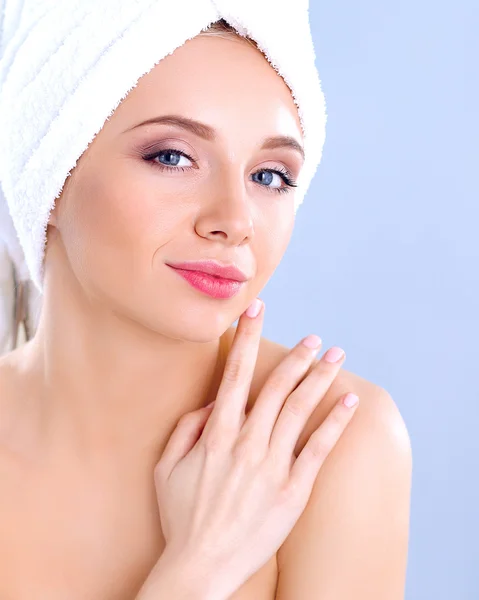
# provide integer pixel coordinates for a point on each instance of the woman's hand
(229, 487)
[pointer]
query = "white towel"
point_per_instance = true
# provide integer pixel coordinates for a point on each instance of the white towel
(65, 66)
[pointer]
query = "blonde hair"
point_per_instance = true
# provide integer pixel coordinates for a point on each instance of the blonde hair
(20, 305)
(222, 28)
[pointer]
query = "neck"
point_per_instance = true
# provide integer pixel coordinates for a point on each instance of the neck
(103, 385)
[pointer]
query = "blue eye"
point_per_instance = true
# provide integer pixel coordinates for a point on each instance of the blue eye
(267, 174)
(173, 157)
(284, 175)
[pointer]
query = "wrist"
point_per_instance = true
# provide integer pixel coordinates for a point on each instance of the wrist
(179, 577)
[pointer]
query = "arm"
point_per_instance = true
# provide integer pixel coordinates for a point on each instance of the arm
(351, 540)
(175, 578)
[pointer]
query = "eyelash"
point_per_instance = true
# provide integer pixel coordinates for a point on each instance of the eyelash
(283, 173)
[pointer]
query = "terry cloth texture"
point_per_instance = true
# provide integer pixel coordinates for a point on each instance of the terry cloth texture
(65, 66)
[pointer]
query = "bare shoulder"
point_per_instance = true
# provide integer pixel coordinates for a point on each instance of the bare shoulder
(11, 366)
(8, 371)
(12, 391)
(359, 508)
(8, 393)
(377, 407)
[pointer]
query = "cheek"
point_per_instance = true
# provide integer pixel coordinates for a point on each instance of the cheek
(110, 228)
(274, 241)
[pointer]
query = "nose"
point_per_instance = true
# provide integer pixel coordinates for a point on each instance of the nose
(226, 213)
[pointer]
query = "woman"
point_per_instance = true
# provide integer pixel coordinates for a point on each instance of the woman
(127, 344)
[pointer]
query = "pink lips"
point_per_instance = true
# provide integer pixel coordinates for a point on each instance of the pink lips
(212, 267)
(216, 287)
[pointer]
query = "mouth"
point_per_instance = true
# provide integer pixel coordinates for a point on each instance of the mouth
(211, 285)
(212, 267)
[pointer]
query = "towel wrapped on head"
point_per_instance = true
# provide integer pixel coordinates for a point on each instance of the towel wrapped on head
(66, 66)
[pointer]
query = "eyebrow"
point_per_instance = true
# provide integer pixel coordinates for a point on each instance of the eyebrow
(209, 133)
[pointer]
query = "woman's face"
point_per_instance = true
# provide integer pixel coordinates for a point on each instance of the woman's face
(144, 196)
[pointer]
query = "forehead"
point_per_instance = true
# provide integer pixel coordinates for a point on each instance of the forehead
(223, 81)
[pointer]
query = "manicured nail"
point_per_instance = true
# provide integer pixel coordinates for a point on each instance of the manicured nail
(334, 354)
(254, 308)
(350, 400)
(312, 341)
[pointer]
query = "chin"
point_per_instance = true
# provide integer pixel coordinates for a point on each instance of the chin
(196, 322)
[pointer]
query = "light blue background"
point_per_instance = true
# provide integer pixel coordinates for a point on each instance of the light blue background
(384, 259)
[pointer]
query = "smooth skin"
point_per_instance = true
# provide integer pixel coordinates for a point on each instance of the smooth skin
(229, 487)
(234, 498)
(125, 348)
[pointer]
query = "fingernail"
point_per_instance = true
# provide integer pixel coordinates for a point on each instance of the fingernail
(254, 308)
(350, 400)
(312, 341)
(334, 354)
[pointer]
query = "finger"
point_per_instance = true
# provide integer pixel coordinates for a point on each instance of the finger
(306, 467)
(279, 385)
(233, 391)
(184, 437)
(301, 403)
